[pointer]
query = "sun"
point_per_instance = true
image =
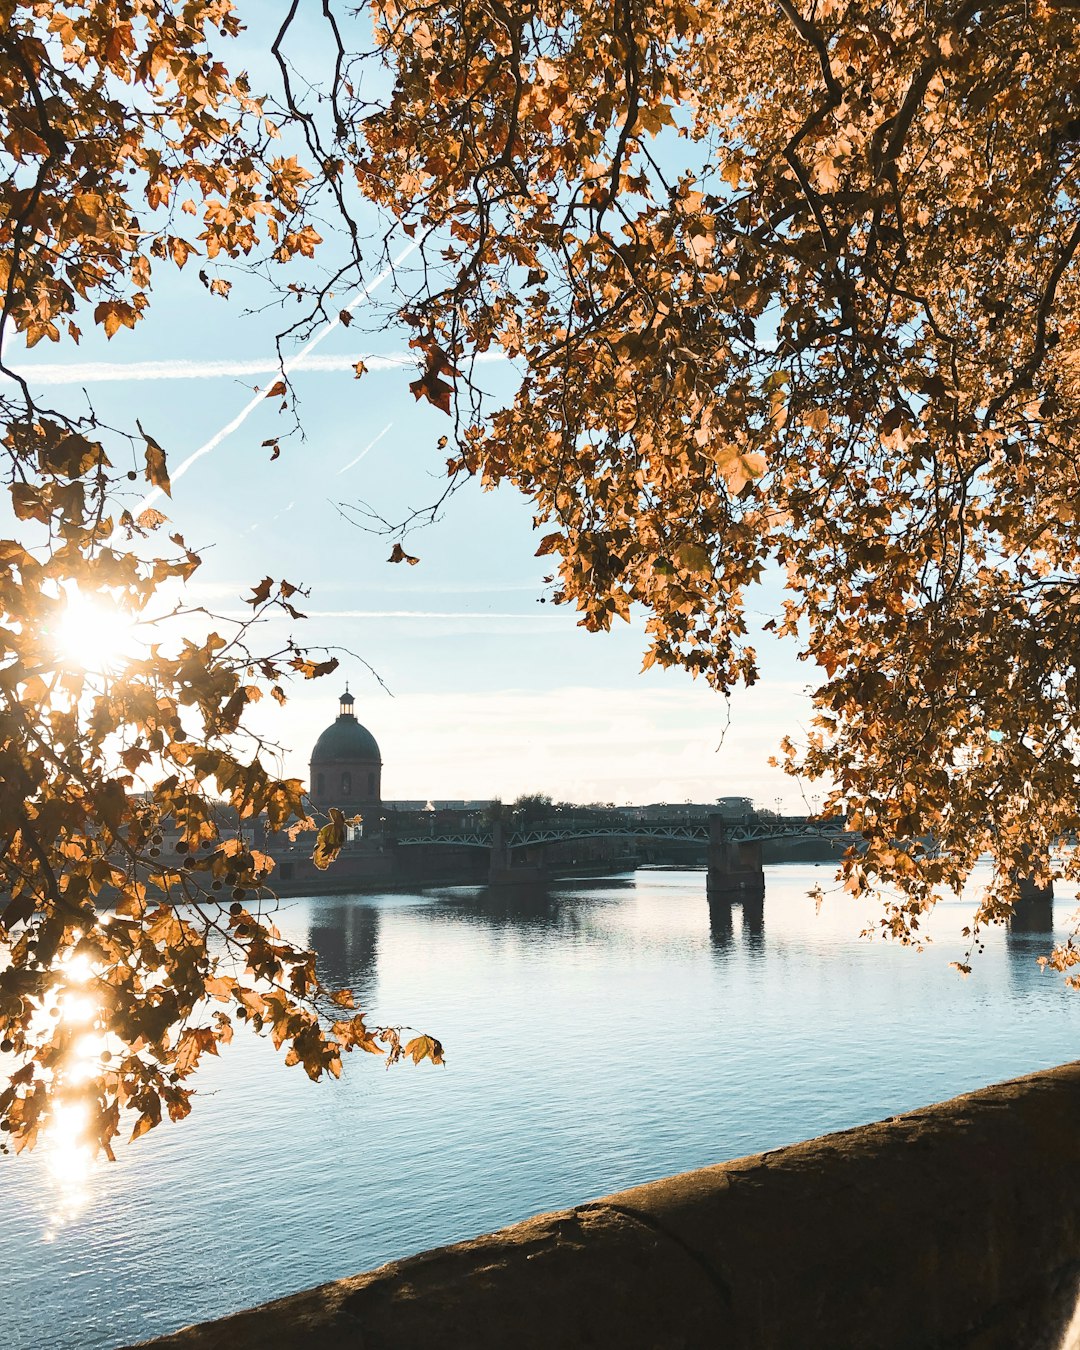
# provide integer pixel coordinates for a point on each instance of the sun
(94, 632)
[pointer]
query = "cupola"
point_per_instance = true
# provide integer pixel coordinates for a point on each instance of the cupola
(346, 766)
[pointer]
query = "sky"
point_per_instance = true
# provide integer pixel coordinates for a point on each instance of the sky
(471, 685)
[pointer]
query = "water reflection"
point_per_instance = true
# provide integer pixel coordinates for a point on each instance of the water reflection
(599, 1033)
(536, 908)
(751, 925)
(1030, 934)
(70, 1161)
(721, 923)
(69, 1156)
(753, 915)
(344, 934)
(1032, 916)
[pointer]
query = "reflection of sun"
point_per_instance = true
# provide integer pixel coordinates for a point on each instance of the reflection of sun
(69, 1158)
(69, 1154)
(94, 631)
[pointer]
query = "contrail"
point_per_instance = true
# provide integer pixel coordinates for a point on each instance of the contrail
(286, 367)
(370, 446)
(284, 511)
(118, 372)
(482, 616)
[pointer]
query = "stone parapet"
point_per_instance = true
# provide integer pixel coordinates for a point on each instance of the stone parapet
(949, 1228)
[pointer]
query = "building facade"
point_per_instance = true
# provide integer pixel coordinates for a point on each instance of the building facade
(346, 767)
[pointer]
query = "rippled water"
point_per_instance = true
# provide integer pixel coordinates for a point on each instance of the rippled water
(600, 1035)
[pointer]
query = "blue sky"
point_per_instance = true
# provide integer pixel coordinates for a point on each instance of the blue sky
(488, 692)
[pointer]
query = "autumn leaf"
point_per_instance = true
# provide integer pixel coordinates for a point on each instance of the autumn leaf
(430, 385)
(144, 1123)
(220, 987)
(694, 558)
(549, 544)
(250, 1000)
(313, 670)
(114, 315)
(156, 472)
(424, 1047)
(194, 1042)
(435, 390)
(180, 250)
(261, 593)
(330, 839)
(72, 456)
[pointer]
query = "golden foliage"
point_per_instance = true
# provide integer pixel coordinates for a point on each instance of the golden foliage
(795, 294)
(792, 292)
(136, 914)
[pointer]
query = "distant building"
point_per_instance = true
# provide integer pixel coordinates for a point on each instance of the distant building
(731, 808)
(346, 767)
(460, 804)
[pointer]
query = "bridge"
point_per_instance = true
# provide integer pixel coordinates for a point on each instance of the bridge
(734, 845)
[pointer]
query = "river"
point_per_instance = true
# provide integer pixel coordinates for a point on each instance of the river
(601, 1034)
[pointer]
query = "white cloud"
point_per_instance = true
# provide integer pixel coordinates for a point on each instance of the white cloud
(579, 743)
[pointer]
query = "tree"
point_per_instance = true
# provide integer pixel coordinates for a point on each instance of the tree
(120, 970)
(532, 806)
(792, 291)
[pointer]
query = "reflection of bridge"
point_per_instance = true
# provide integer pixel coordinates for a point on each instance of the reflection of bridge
(734, 845)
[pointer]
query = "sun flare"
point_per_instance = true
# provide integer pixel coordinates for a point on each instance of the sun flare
(94, 632)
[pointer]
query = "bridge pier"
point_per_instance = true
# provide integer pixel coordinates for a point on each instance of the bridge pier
(502, 870)
(1034, 910)
(735, 867)
(499, 862)
(1031, 890)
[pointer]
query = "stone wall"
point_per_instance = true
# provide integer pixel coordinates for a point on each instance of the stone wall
(956, 1227)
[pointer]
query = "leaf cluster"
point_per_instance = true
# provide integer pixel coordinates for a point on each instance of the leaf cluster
(135, 892)
(794, 293)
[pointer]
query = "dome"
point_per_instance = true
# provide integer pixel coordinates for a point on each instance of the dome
(346, 739)
(346, 767)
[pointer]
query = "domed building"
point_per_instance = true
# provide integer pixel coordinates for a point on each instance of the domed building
(346, 767)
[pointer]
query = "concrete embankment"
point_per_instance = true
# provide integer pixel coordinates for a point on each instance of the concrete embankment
(955, 1227)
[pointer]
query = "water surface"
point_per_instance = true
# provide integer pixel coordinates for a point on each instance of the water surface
(603, 1034)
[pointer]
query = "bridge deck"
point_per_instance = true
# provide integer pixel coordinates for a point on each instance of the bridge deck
(561, 831)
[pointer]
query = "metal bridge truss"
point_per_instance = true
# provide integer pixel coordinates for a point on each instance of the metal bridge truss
(557, 832)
